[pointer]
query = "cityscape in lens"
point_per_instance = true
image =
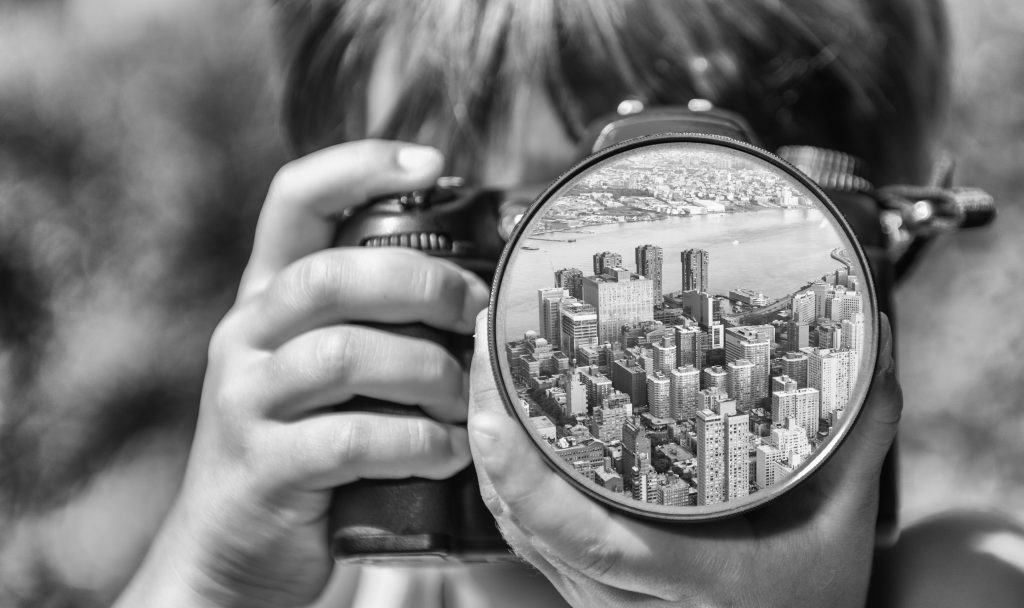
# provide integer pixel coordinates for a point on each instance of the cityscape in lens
(683, 389)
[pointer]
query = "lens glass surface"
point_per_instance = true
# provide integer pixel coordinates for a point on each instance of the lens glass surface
(684, 327)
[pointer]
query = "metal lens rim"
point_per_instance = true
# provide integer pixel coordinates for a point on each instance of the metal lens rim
(729, 508)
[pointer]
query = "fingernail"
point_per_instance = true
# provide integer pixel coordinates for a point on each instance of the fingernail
(415, 159)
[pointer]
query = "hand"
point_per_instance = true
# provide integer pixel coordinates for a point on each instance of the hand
(810, 547)
(249, 526)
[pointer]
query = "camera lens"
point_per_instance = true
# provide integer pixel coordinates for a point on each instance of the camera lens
(684, 325)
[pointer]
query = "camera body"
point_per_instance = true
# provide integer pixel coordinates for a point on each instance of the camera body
(416, 519)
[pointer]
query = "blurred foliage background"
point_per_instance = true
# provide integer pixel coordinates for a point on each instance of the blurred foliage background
(137, 139)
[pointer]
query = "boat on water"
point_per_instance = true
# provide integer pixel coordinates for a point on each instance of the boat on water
(528, 248)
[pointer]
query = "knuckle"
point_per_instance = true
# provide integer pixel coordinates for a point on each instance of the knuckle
(426, 439)
(443, 290)
(353, 441)
(336, 351)
(315, 277)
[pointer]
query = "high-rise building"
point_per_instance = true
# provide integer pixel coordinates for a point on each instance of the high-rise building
(650, 263)
(800, 405)
(699, 305)
(737, 448)
(715, 377)
(659, 395)
(829, 335)
(598, 387)
(798, 334)
(548, 301)
(804, 307)
(695, 270)
(575, 394)
(710, 458)
(753, 343)
(739, 378)
(571, 280)
(664, 356)
(578, 325)
(607, 420)
(833, 373)
(843, 305)
(620, 298)
(690, 346)
(606, 260)
(684, 382)
(631, 379)
(794, 365)
(853, 333)
(711, 399)
(787, 448)
(822, 292)
(636, 451)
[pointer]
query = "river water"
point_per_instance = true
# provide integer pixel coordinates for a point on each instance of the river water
(773, 251)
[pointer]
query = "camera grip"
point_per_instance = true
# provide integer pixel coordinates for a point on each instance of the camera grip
(414, 519)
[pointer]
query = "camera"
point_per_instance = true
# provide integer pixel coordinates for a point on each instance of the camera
(414, 520)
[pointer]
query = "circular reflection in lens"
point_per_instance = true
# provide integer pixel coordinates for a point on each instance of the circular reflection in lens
(684, 325)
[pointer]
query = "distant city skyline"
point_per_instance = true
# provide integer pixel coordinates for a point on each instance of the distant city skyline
(685, 396)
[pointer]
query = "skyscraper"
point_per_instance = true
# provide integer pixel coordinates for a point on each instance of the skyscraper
(739, 375)
(650, 263)
(690, 347)
(631, 379)
(664, 356)
(822, 292)
(711, 399)
(794, 365)
(715, 377)
(571, 280)
(843, 305)
(606, 260)
(710, 458)
(607, 420)
(853, 333)
(659, 395)
(598, 387)
(804, 307)
(829, 334)
(548, 301)
(636, 452)
(620, 297)
(578, 326)
(737, 448)
(833, 373)
(684, 382)
(753, 343)
(798, 404)
(695, 269)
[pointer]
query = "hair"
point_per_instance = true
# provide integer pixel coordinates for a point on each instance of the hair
(867, 77)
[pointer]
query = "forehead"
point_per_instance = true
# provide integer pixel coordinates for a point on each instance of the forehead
(529, 145)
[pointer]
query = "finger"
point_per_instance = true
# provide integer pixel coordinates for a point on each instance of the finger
(334, 449)
(298, 216)
(517, 485)
(378, 285)
(330, 365)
